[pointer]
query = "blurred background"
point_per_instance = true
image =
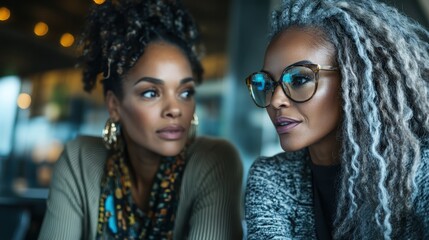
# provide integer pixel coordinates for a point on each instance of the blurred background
(42, 104)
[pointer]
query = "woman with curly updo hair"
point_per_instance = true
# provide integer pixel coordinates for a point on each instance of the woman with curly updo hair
(345, 84)
(148, 177)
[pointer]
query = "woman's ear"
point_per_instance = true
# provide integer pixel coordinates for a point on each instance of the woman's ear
(112, 103)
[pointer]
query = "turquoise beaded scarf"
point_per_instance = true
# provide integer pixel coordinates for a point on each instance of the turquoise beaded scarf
(118, 215)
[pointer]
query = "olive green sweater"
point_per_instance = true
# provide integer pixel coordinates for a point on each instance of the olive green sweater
(209, 205)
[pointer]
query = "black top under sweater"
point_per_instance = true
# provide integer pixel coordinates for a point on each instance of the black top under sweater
(325, 187)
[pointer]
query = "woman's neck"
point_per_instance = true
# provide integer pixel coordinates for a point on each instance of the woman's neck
(143, 167)
(326, 152)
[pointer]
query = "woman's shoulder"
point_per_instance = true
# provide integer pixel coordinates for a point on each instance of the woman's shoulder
(285, 174)
(206, 143)
(207, 153)
(281, 163)
(83, 142)
(85, 152)
(278, 182)
(213, 148)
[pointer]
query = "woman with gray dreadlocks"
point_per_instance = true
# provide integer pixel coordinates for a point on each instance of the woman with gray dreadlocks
(345, 84)
(149, 177)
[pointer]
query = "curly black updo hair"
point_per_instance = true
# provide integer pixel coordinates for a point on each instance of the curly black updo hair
(118, 31)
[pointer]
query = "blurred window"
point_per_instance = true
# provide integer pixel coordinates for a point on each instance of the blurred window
(9, 89)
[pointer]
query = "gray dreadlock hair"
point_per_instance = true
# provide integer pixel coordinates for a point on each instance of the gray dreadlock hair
(384, 61)
(118, 31)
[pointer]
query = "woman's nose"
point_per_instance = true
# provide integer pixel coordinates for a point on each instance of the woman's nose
(279, 98)
(172, 108)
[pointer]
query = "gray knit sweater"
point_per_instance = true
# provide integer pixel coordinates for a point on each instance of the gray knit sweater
(209, 206)
(279, 199)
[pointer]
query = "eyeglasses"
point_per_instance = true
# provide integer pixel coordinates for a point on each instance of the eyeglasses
(298, 81)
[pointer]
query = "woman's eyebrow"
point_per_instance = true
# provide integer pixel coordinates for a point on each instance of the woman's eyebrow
(296, 63)
(161, 82)
(151, 80)
(186, 80)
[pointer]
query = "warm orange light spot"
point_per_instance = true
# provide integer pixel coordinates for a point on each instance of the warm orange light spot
(41, 29)
(99, 2)
(4, 14)
(24, 100)
(66, 40)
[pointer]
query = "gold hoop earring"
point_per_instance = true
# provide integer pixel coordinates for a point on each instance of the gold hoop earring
(111, 135)
(193, 129)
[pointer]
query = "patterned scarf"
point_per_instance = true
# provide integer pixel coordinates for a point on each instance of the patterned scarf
(118, 215)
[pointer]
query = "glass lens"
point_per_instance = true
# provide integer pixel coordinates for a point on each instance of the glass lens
(260, 86)
(299, 83)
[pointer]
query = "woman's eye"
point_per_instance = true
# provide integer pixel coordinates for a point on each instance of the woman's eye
(149, 94)
(187, 93)
(298, 81)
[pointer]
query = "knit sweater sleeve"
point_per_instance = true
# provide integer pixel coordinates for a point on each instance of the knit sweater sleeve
(212, 185)
(278, 198)
(72, 205)
(421, 219)
(64, 214)
(261, 204)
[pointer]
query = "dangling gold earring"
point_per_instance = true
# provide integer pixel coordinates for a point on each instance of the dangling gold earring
(111, 135)
(193, 129)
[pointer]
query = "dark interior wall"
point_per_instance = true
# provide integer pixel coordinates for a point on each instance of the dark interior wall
(412, 8)
(248, 38)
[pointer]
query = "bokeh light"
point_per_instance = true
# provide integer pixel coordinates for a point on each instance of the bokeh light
(4, 13)
(41, 29)
(24, 100)
(67, 40)
(99, 2)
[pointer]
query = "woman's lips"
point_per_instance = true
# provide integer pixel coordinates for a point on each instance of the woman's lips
(285, 125)
(171, 132)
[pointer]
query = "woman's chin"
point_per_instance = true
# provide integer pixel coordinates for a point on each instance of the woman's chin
(288, 147)
(171, 150)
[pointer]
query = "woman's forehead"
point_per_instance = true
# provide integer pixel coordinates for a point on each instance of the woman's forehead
(295, 45)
